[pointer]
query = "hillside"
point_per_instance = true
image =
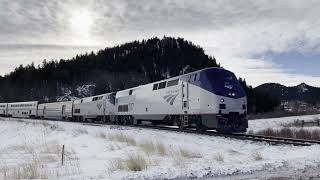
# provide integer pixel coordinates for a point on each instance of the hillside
(301, 92)
(113, 69)
(110, 69)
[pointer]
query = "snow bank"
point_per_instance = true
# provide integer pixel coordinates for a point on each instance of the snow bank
(94, 151)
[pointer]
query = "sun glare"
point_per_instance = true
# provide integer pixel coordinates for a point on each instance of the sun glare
(81, 23)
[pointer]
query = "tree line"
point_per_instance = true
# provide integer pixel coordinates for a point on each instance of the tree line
(111, 69)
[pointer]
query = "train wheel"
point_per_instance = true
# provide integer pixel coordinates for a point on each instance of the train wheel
(154, 124)
(180, 125)
(199, 126)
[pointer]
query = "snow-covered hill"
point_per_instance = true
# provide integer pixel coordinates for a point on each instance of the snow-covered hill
(33, 148)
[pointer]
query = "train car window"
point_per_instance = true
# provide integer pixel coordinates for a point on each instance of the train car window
(97, 98)
(173, 82)
(130, 92)
(155, 87)
(123, 108)
(162, 85)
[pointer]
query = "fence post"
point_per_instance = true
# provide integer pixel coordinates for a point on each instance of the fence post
(318, 121)
(302, 123)
(62, 155)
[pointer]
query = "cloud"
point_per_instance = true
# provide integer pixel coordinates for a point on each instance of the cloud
(237, 33)
(12, 56)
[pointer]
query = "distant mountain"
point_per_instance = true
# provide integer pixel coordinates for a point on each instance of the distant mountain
(301, 92)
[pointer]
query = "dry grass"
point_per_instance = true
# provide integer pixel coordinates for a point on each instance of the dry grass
(291, 133)
(56, 127)
(79, 131)
(136, 163)
(102, 135)
(219, 157)
(161, 149)
(120, 137)
(22, 148)
(150, 147)
(25, 171)
(114, 147)
(181, 157)
(185, 153)
(257, 156)
(40, 159)
(44, 123)
(133, 162)
(51, 148)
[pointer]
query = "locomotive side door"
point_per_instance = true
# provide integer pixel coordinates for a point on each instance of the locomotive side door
(185, 95)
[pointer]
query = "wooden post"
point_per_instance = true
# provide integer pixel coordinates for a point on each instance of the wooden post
(318, 121)
(62, 155)
(302, 123)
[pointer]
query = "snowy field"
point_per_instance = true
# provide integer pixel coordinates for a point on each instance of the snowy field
(278, 123)
(32, 149)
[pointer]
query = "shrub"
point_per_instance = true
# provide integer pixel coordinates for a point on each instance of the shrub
(219, 157)
(133, 162)
(257, 156)
(161, 149)
(148, 147)
(122, 138)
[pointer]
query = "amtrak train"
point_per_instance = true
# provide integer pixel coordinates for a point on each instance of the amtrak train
(211, 98)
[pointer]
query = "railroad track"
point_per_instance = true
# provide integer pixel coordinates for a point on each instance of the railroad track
(255, 138)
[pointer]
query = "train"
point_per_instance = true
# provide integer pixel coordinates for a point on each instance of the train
(207, 99)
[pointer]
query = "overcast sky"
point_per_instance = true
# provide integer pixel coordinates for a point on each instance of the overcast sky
(262, 41)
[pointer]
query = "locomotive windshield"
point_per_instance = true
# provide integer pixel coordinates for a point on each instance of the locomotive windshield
(223, 83)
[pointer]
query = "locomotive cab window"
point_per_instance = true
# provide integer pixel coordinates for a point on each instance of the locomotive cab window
(130, 92)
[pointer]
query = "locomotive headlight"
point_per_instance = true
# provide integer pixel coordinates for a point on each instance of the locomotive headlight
(222, 100)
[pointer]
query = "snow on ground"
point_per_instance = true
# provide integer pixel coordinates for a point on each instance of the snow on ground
(276, 123)
(95, 152)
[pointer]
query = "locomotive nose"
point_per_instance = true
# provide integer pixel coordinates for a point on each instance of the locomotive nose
(226, 106)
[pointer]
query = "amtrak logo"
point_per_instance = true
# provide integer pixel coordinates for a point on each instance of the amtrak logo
(170, 98)
(99, 106)
(228, 86)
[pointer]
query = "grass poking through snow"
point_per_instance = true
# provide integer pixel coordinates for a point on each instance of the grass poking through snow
(257, 156)
(219, 157)
(291, 133)
(133, 162)
(120, 137)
